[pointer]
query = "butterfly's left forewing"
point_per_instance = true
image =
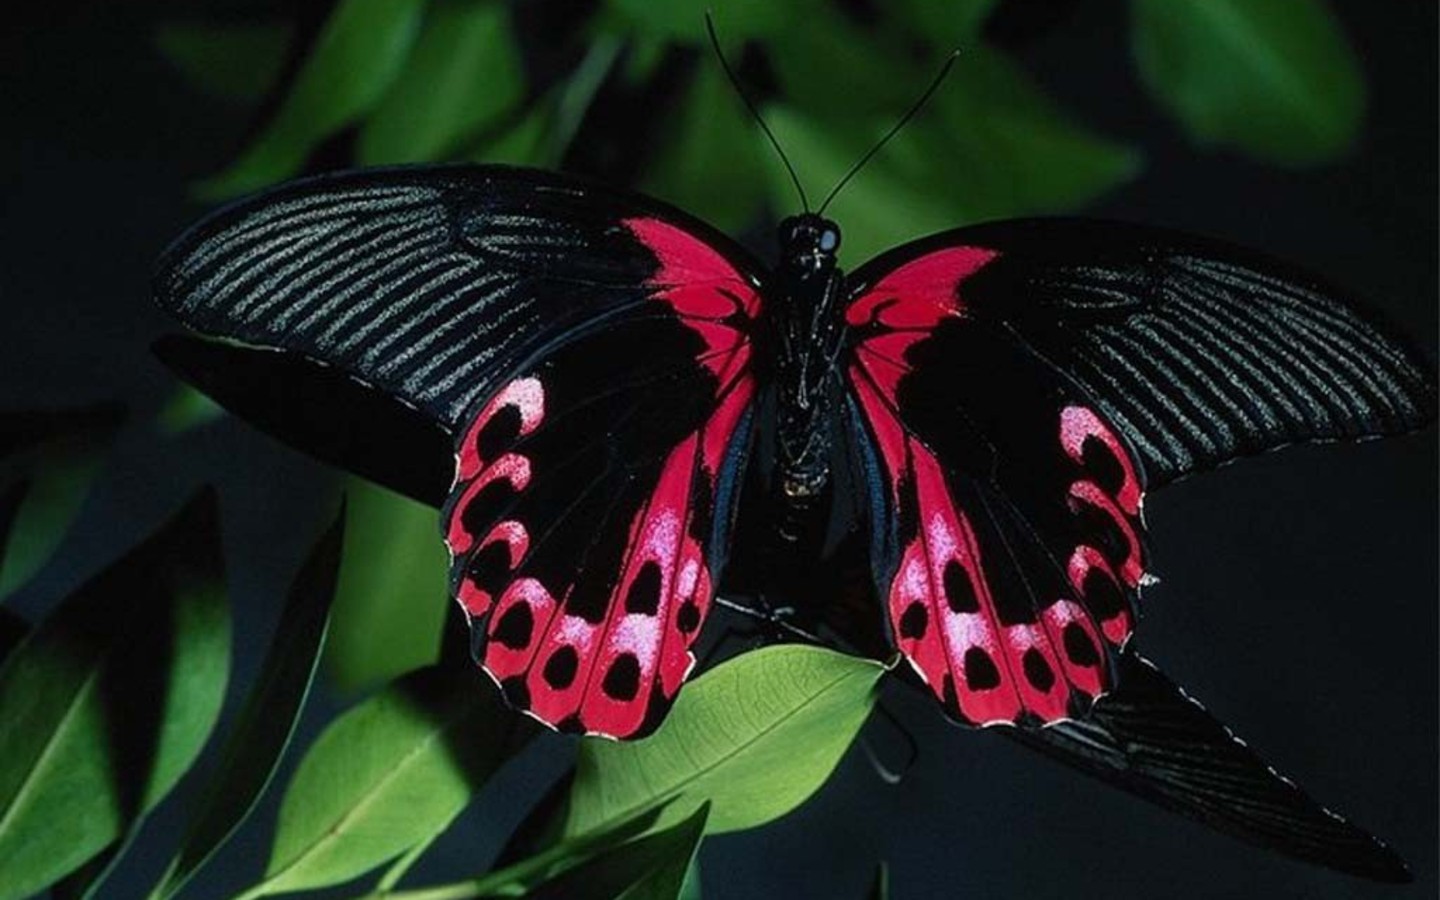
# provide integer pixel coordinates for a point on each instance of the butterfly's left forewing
(1014, 510)
(586, 522)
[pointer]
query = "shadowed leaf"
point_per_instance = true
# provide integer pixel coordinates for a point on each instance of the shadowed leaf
(187, 408)
(234, 62)
(47, 463)
(264, 727)
(651, 868)
(684, 20)
(756, 736)
(356, 57)
(880, 886)
(1274, 78)
(106, 704)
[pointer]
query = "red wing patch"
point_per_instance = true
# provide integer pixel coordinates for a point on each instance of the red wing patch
(610, 671)
(996, 641)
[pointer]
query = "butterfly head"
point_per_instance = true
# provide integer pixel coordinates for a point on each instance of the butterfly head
(809, 242)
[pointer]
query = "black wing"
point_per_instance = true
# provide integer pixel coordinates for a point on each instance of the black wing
(587, 354)
(1198, 352)
(1152, 739)
(429, 284)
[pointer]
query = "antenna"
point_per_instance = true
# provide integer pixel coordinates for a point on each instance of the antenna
(735, 83)
(894, 129)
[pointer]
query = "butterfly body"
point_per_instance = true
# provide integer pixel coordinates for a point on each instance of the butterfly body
(804, 337)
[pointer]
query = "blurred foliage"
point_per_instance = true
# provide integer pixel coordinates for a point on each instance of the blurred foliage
(630, 92)
(106, 703)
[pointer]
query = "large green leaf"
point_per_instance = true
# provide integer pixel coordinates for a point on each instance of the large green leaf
(392, 599)
(236, 62)
(265, 725)
(47, 463)
(990, 145)
(386, 775)
(715, 137)
(1275, 78)
(651, 868)
(359, 53)
(464, 74)
(755, 737)
(106, 704)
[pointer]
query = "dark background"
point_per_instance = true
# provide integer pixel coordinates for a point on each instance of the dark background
(1299, 589)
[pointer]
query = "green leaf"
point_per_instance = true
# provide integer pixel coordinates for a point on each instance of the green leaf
(684, 20)
(391, 603)
(946, 26)
(651, 868)
(990, 145)
(48, 461)
(465, 74)
(755, 736)
(690, 890)
(234, 62)
(1274, 78)
(714, 136)
(107, 703)
(385, 776)
(524, 876)
(359, 53)
(187, 408)
(264, 727)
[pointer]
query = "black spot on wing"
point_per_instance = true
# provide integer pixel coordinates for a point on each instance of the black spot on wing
(980, 671)
(1037, 670)
(561, 667)
(1079, 648)
(622, 681)
(643, 597)
(914, 621)
(499, 433)
(959, 591)
(489, 568)
(687, 619)
(516, 627)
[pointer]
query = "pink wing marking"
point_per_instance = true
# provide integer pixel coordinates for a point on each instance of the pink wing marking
(657, 607)
(1090, 573)
(920, 293)
(526, 396)
(602, 677)
(988, 672)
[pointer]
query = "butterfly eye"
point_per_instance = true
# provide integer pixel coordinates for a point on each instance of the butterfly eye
(829, 240)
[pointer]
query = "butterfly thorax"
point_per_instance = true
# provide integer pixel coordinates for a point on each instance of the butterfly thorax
(807, 336)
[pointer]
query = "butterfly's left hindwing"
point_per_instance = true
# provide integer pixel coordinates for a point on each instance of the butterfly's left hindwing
(587, 520)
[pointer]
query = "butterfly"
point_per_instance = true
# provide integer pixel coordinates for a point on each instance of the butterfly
(636, 418)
